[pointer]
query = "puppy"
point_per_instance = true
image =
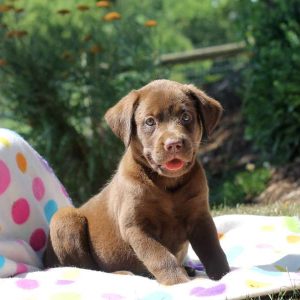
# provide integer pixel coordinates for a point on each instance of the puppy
(157, 201)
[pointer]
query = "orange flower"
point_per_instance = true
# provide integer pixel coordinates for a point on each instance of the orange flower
(63, 12)
(150, 23)
(19, 10)
(83, 7)
(95, 49)
(16, 33)
(67, 55)
(103, 4)
(87, 38)
(5, 8)
(112, 16)
(3, 62)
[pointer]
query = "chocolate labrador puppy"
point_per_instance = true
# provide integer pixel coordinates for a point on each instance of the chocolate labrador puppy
(157, 201)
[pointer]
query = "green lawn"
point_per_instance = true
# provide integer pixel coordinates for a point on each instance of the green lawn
(272, 209)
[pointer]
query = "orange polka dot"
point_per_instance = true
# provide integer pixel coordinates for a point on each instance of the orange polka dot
(220, 235)
(292, 239)
(21, 162)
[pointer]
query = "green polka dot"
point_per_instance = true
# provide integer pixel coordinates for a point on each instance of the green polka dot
(292, 223)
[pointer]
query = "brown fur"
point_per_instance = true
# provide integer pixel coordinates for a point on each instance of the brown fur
(144, 218)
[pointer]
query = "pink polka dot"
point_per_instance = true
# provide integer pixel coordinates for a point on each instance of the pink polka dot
(27, 284)
(38, 188)
(20, 211)
(4, 177)
(38, 239)
(64, 282)
(21, 268)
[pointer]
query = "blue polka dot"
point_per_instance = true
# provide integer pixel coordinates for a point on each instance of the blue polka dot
(2, 261)
(50, 209)
(158, 296)
(233, 253)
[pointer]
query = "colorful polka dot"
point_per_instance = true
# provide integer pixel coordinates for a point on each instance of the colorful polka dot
(4, 177)
(264, 246)
(220, 235)
(212, 291)
(66, 296)
(111, 296)
(20, 211)
(38, 239)
(2, 261)
(21, 162)
(267, 272)
(234, 252)
(256, 284)
(196, 265)
(292, 224)
(267, 227)
(27, 284)
(159, 295)
(280, 268)
(64, 282)
(4, 141)
(38, 188)
(21, 268)
(71, 274)
(293, 239)
(50, 209)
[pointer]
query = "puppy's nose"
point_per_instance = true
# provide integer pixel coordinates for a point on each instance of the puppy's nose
(173, 145)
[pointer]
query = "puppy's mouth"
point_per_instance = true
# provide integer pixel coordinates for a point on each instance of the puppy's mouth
(174, 165)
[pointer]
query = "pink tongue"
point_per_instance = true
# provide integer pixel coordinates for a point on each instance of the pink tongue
(174, 164)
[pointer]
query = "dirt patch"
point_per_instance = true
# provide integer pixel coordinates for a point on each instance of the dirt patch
(228, 151)
(284, 185)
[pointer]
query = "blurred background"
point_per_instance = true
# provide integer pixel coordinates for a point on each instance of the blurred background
(63, 63)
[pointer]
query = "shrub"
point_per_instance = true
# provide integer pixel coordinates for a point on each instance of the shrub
(61, 68)
(240, 187)
(272, 103)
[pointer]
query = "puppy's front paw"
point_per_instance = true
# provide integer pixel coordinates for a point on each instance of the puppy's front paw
(217, 271)
(171, 278)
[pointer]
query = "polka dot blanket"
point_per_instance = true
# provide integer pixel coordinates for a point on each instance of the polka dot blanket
(263, 252)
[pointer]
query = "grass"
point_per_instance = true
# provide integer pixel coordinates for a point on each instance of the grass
(271, 209)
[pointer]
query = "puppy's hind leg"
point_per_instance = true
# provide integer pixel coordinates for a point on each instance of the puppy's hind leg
(68, 242)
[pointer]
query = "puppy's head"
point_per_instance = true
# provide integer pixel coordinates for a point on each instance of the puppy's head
(164, 122)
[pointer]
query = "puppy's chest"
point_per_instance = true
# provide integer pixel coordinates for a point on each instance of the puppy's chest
(166, 222)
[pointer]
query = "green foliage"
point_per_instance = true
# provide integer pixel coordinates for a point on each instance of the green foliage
(60, 74)
(240, 187)
(272, 104)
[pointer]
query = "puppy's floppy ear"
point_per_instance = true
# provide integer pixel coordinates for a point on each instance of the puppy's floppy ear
(209, 110)
(120, 117)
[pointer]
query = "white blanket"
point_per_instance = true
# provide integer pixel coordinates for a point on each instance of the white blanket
(263, 252)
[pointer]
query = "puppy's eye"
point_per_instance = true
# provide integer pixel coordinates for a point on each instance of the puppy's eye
(150, 121)
(186, 118)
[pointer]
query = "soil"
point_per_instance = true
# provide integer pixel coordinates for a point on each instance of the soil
(227, 150)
